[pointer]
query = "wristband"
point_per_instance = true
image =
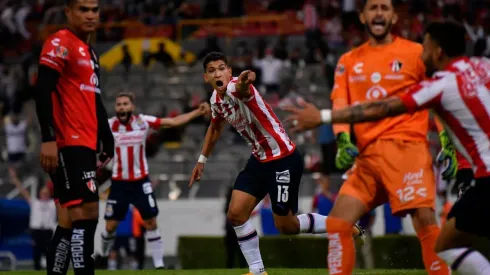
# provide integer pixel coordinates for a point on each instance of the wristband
(326, 116)
(202, 159)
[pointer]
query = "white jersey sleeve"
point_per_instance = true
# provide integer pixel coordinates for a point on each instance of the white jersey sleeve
(153, 121)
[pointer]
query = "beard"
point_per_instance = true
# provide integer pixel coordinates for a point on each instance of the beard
(430, 68)
(382, 36)
(124, 116)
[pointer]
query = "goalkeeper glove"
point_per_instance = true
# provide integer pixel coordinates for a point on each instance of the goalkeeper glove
(447, 157)
(346, 151)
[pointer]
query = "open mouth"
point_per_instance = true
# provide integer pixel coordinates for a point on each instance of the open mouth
(378, 24)
(219, 83)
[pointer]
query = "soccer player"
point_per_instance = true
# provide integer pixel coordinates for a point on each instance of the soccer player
(74, 129)
(275, 167)
(394, 164)
(130, 181)
(460, 95)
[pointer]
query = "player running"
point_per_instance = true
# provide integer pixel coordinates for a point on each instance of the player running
(460, 95)
(130, 181)
(394, 163)
(275, 167)
(73, 125)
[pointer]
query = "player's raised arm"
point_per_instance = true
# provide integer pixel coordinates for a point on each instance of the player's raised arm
(245, 79)
(180, 120)
(212, 135)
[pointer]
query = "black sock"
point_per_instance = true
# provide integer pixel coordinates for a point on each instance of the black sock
(82, 246)
(58, 255)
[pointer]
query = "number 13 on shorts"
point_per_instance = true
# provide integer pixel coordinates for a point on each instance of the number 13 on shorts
(282, 193)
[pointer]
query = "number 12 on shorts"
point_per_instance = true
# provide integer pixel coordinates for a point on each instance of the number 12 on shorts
(282, 193)
(408, 193)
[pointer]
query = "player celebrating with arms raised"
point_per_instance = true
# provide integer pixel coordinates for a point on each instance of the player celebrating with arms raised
(275, 167)
(73, 124)
(460, 95)
(130, 181)
(394, 163)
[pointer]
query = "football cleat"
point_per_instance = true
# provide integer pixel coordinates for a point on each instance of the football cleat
(361, 237)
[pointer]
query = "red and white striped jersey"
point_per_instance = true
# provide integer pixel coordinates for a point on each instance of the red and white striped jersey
(254, 119)
(129, 161)
(460, 95)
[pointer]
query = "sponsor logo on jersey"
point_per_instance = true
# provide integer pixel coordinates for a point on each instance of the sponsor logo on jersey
(396, 66)
(358, 67)
(283, 177)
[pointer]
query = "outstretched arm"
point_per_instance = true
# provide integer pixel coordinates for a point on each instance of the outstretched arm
(185, 118)
(370, 111)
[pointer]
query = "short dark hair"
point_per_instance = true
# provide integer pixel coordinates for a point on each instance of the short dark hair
(213, 56)
(129, 95)
(70, 2)
(364, 2)
(449, 35)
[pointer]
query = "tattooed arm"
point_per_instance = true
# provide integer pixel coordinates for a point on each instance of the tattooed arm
(370, 111)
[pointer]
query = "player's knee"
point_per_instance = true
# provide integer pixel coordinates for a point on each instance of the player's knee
(111, 226)
(85, 211)
(288, 225)
(424, 217)
(151, 224)
(236, 217)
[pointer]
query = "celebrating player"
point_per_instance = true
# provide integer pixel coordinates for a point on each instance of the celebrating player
(130, 181)
(460, 95)
(73, 124)
(394, 163)
(275, 167)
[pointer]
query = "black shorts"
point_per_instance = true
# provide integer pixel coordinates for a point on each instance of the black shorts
(463, 180)
(74, 181)
(329, 151)
(125, 242)
(280, 178)
(138, 193)
(471, 208)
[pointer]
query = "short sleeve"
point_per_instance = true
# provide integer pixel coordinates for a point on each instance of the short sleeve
(55, 53)
(153, 121)
(340, 86)
(426, 94)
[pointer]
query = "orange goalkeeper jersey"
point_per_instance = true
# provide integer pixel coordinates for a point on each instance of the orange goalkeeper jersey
(371, 73)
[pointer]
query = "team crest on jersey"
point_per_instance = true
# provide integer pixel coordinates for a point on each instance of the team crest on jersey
(140, 122)
(61, 52)
(396, 66)
(340, 69)
(91, 185)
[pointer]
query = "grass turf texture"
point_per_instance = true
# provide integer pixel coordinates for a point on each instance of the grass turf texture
(271, 271)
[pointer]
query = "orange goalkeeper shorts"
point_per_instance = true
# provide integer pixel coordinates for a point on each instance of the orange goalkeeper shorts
(397, 171)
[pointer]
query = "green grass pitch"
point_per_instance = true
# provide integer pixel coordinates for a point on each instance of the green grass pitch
(237, 272)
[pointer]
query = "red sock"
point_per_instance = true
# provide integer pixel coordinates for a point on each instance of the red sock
(341, 251)
(433, 264)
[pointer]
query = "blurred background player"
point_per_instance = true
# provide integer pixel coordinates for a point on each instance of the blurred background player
(42, 219)
(275, 166)
(458, 93)
(382, 67)
(124, 244)
(74, 125)
(130, 181)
